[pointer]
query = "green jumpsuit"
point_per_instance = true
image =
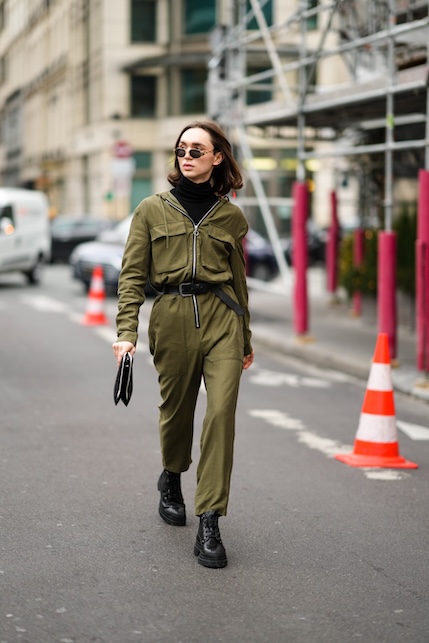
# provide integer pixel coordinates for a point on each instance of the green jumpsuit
(191, 337)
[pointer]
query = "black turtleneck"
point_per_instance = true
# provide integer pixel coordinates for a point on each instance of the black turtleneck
(196, 198)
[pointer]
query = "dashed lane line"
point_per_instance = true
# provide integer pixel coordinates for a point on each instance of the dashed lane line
(262, 377)
(45, 304)
(265, 377)
(328, 447)
(109, 335)
(413, 431)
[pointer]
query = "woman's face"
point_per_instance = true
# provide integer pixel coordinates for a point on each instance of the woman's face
(198, 170)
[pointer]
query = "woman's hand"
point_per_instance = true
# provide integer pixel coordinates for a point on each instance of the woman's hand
(120, 348)
(248, 360)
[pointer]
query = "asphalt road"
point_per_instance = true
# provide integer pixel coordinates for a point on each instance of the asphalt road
(318, 551)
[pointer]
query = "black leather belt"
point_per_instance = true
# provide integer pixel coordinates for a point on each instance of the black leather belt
(188, 288)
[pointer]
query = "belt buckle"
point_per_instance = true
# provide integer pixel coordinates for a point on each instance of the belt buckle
(185, 284)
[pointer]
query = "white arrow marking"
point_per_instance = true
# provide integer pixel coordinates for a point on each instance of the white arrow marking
(413, 431)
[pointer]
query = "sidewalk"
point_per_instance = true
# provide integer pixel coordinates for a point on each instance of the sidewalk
(336, 339)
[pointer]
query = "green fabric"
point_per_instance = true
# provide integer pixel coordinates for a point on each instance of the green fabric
(162, 245)
(183, 355)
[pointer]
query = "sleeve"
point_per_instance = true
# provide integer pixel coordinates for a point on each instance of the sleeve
(240, 284)
(133, 276)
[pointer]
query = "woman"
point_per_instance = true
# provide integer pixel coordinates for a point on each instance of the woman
(189, 243)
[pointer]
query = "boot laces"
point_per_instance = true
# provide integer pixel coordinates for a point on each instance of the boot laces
(210, 527)
(172, 489)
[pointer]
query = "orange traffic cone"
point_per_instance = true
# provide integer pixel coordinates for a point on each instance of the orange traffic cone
(376, 442)
(95, 309)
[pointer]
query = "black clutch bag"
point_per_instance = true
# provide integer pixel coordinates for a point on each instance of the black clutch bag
(124, 380)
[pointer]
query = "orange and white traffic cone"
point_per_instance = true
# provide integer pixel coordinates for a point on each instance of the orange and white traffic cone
(94, 315)
(376, 442)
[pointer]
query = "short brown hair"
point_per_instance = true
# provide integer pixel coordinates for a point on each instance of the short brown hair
(226, 176)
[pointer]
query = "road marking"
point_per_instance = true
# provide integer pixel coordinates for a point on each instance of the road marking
(45, 304)
(386, 474)
(327, 446)
(413, 431)
(106, 333)
(278, 418)
(264, 377)
(284, 421)
(109, 335)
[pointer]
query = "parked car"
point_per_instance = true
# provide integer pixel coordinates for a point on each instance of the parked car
(316, 240)
(261, 262)
(107, 251)
(67, 232)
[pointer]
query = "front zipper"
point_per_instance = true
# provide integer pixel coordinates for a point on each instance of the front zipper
(195, 234)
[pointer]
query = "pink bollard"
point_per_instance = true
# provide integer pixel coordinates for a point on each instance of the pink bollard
(358, 257)
(299, 240)
(386, 289)
(332, 248)
(422, 305)
(422, 273)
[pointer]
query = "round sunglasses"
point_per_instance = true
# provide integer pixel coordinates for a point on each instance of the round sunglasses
(196, 154)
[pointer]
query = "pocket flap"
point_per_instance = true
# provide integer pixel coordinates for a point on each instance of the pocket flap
(173, 229)
(220, 234)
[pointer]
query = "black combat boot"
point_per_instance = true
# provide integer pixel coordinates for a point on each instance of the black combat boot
(208, 546)
(171, 505)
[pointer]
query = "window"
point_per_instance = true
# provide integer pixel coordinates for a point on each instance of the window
(141, 186)
(3, 70)
(143, 20)
(2, 15)
(143, 160)
(198, 16)
(140, 189)
(193, 91)
(143, 96)
(258, 95)
(312, 22)
(267, 10)
(6, 214)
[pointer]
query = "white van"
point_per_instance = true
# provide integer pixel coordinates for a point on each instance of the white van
(25, 237)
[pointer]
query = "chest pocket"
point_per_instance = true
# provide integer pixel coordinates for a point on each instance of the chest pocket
(216, 246)
(169, 251)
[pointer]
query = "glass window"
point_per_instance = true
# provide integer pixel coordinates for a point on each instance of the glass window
(258, 95)
(140, 189)
(2, 15)
(143, 96)
(267, 10)
(312, 22)
(143, 20)
(198, 16)
(143, 160)
(193, 90)
(6, 212)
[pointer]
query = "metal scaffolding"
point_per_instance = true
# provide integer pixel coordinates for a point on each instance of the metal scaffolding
(375, 108)
(381, 52)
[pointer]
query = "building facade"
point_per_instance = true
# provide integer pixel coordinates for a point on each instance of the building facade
(83, 82)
